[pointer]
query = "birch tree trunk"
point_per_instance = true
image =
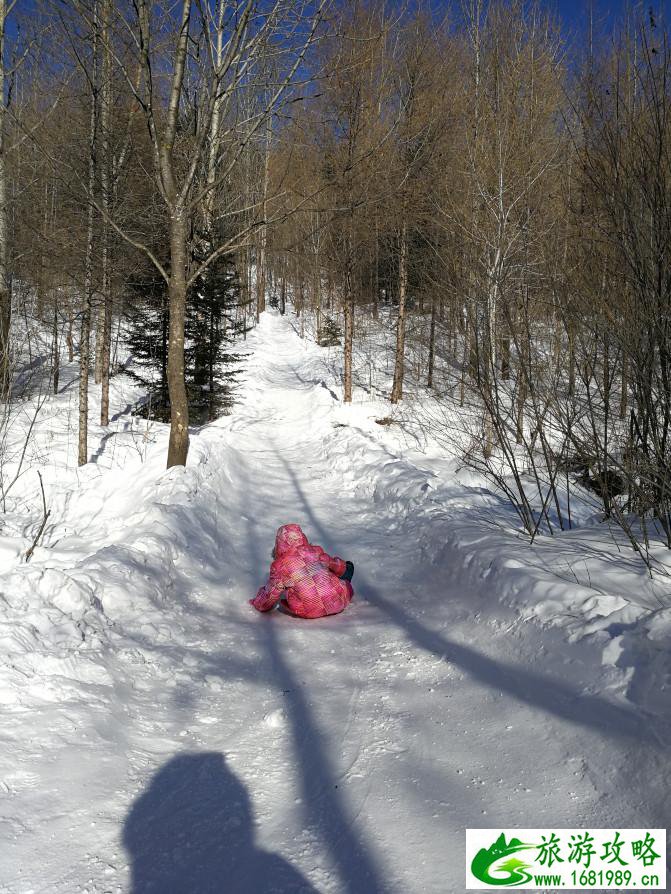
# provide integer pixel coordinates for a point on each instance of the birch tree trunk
(317, 271)
(432, 343)
(399, 362)
(178, 446)
(99, 327)
(376, 270)
(624, 386)
(105, 202)
(283, 294)
(348, 313)
(55, 350)
(348, 307)
(85, 329)
(175, 199)
(214, 137)
(5, 285)
(263, 236)
(69, 340)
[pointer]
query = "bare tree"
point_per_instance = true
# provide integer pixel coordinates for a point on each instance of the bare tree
(416, 140)
(5, 284)
(6, 74)
(189, 101)
(87, 299)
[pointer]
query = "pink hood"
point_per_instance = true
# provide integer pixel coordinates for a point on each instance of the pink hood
(289, 537)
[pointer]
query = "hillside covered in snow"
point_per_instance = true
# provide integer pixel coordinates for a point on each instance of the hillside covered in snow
(159, 735)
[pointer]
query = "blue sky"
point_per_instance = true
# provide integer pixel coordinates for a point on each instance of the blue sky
(575, 13)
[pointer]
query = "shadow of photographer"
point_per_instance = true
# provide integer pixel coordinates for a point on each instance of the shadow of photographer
(191, 832)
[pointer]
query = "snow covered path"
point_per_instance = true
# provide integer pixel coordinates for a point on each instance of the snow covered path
(188, 744)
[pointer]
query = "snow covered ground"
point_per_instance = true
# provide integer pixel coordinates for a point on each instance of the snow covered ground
(159, 735)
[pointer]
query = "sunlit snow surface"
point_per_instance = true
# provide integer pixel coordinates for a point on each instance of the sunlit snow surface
(159, 735)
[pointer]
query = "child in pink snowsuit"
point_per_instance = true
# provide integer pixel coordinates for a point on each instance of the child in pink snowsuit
(306, 577)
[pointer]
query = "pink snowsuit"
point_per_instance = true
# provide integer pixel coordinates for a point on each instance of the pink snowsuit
(306, 575)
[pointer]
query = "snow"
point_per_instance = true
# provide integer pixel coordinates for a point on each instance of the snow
(159, 735)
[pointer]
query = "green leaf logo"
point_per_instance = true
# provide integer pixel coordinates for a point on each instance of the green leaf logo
(508, 872)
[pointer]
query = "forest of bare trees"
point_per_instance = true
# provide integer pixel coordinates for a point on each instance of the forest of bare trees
(470, 194)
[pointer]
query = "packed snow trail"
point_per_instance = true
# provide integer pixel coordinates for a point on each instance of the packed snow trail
(171, 739)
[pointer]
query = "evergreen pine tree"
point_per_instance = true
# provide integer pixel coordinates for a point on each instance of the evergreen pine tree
(212, 325)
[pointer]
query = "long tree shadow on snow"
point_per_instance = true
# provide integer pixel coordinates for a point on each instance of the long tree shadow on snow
(191, 832)
(537, 690)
